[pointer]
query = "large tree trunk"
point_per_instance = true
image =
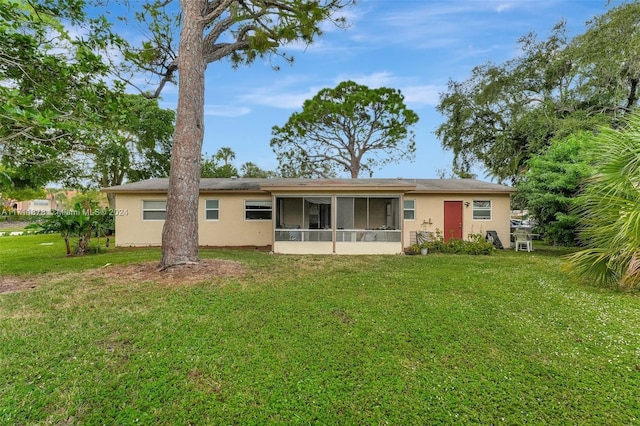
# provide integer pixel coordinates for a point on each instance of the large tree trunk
(180, 232)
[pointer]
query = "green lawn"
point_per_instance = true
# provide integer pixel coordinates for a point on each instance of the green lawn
(433, 339)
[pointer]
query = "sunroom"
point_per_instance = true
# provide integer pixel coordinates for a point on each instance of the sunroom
(341, 224)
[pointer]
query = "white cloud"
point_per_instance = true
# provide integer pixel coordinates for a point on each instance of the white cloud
(502, 7)
(275, 98)
(225, 111)
(377, 79)
(422, 95)
(286, 93)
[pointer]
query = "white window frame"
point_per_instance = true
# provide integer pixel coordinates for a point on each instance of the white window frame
(482, 209)
(156, 209)
(208, 209)
(412, 209)
(247, 209)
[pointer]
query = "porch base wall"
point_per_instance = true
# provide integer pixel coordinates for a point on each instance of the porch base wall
(368, 248)
(298, 247)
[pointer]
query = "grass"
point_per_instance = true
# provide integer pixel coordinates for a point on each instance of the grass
(317, 339)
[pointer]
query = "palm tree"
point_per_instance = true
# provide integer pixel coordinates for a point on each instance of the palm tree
(226, 155)
(610, 211)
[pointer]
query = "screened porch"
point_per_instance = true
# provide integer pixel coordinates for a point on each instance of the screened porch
(338, 224)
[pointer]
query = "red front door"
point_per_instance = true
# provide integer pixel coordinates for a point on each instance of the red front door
(452, 220)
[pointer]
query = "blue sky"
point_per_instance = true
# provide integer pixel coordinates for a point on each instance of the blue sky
(415, 46)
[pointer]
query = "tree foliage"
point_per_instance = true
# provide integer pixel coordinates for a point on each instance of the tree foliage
(251, 170)
(237, 30)
(59, 119)
(552, 183)
(220, 166)
(349, 129)
(505, 113)
(610, 211)
(50, 83)
(131, 142)
(608, 55)
(213, 168)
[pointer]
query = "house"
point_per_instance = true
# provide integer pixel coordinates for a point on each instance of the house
(319, 216)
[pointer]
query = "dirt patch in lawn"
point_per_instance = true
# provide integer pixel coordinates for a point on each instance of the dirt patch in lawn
(206, 269)
(13, 284)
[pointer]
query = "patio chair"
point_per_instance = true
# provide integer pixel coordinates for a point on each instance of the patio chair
(522, 239)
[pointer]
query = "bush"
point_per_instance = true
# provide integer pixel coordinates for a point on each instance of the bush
(78, 223)
(474, 244)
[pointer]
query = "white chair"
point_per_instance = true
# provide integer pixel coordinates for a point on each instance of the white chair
(522, 239)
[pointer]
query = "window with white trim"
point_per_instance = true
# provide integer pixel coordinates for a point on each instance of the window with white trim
(212, 209)
(154, 209)
(409, 209)
(257, 210)
(481, 209)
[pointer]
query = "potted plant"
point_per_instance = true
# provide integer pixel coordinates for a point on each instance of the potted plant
(419, 249)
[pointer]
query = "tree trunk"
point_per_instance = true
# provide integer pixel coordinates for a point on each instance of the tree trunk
(180, 232)
(67, 245)
(111, 198)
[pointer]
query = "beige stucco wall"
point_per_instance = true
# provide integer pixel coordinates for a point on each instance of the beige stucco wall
(230, 230)
(430, 208)
(131, 230)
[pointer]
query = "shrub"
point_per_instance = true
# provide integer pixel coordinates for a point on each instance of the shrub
(78, 223)
(474, 244)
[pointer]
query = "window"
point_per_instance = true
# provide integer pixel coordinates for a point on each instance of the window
(409, 209)
(154, 210)
(257, 210)
(481, 210)
(212, 209)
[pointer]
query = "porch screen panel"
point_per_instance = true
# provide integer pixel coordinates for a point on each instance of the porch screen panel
(378, 212)
(344, 213)
(395, 213)
(318, 212)
(292, 215)
(361, 213)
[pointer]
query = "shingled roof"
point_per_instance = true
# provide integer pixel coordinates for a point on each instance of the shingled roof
(270, 184)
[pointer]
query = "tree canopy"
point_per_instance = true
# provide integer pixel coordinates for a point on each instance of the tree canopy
(552, 183)
(505, 113)
(50, 83)
(131, 142)
(61, 118)
(349, 129)
(220, 165)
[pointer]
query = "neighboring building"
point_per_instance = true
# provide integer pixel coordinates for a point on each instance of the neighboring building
(54, 201)
(35, 207)
(319, 216)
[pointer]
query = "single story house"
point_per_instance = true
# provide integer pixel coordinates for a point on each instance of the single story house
(319, 216)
